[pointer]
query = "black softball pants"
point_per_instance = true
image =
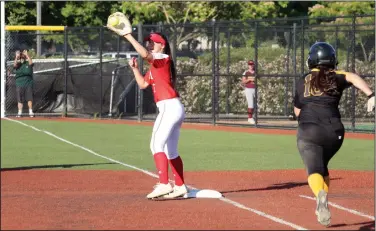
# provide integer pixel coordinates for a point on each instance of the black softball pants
(318, 143)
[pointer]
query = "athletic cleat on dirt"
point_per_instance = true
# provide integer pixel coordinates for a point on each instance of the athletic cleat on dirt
(178, 191)
(160, 190)
(322, 209)
(31, 114)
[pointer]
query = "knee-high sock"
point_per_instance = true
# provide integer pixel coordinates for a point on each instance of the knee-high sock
(326, 183)
(316, 183)
(161, 163)
(177, 170)
(250, 112)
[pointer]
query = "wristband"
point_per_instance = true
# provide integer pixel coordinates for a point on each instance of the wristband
(371, 95)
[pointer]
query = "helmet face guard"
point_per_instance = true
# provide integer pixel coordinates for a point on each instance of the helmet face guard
(322, 53)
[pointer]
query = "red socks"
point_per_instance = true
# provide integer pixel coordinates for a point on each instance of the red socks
(250, 112)
(161, 162)
(177, 170)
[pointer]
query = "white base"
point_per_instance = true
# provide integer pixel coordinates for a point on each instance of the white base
(202, 193)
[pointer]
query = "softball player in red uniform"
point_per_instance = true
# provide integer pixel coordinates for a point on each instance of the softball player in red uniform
(248, 81)
(164, 141)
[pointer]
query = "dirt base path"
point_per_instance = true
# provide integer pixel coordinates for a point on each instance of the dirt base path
(63, 199)
(88, 199)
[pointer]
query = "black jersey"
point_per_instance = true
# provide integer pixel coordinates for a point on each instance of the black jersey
(315, 104)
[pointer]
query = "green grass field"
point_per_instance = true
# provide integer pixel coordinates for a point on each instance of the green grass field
(201, 150)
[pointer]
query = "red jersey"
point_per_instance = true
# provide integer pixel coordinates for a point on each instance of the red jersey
(159, 77)
(249, 74)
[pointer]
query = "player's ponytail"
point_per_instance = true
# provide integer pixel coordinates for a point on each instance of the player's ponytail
(167, 51)
(324, 80)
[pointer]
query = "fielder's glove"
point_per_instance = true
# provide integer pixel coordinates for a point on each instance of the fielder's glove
(124, 27)
(371, 102)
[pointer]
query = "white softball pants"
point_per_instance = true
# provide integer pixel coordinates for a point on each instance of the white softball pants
(250, 96)
(166, 130)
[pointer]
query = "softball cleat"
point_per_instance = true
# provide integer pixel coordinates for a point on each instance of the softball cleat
(251, 121)
(178, 191)
(322, 209)
(160, 190)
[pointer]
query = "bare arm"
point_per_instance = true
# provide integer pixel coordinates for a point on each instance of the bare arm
(248, 79)
(15, 64)
(297, 111)
(358, 82)
(139, 48)
(139, 79)
(244, 80)
(137, 74)
(297, 104)
(29, 59)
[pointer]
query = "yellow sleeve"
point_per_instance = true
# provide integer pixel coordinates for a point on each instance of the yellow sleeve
(340, 72)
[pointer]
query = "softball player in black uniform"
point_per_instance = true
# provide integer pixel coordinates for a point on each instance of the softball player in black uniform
(320, 131)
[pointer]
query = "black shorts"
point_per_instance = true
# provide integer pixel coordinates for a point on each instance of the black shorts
(318, 143)
(24, 94)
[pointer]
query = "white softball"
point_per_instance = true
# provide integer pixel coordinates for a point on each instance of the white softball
(114, 21)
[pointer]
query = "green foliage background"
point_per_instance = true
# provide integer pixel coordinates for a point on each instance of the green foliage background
(196, 90)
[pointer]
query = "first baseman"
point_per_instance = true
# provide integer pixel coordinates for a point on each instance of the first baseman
(161, 77)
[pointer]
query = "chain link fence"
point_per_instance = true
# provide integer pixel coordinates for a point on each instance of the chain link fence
(83, 71)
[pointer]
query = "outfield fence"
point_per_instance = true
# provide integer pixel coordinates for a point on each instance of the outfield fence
(82, 71)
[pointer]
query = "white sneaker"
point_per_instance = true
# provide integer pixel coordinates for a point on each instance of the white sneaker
(19, 115)
(322, 209)
(31, 114)
(177, 192)
(251, 121)
(160, 190)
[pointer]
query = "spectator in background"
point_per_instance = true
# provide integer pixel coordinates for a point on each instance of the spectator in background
(23, 66)
(248, 81)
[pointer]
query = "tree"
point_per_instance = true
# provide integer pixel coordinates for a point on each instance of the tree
(62, 13)
(227, 10)
(296, 8)
(328, 9)
(85, 14)
(170, 13)
(253, 10)
(363, 38)
(20, 13)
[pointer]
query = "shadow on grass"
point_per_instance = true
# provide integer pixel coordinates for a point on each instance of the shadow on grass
(49, 166)
(367, 225)
(286, 185)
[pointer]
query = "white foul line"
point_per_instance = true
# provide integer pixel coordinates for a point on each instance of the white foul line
(226, 200)
(343, 208)
(276, 219)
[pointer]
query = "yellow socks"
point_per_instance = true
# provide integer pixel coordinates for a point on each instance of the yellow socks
(326, 183)
(316, 183)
